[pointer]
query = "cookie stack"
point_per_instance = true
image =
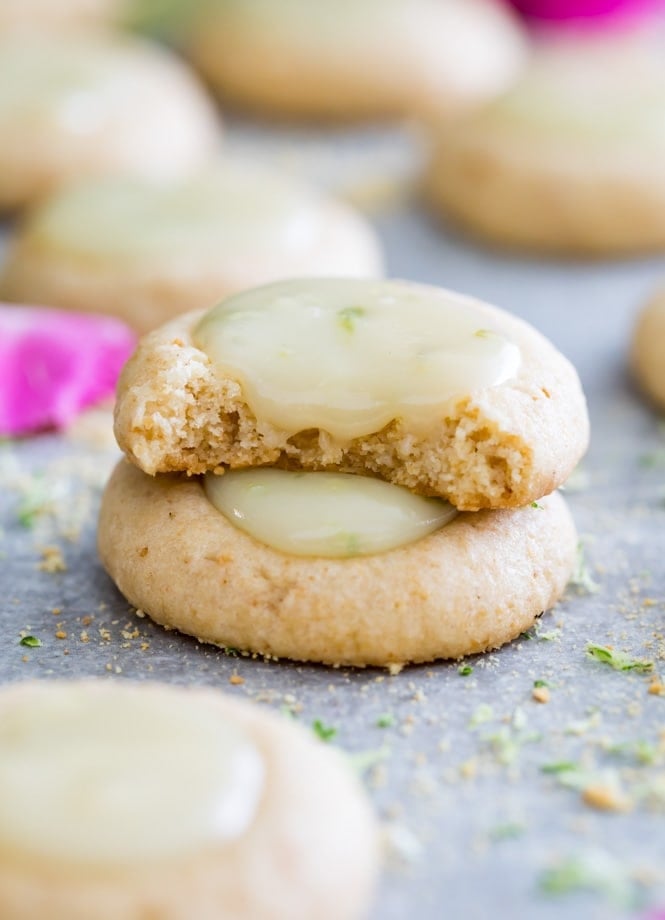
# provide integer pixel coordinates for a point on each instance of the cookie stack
(346, 472)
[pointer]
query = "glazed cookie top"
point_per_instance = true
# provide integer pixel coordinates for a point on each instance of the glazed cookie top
(93, 103)
(110, 775)
(77, 82)
(230, 212)
(587, 94)
(458, 51)
(420, 386)
(348, 357)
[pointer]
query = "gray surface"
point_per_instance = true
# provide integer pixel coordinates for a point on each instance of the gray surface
(448, 856)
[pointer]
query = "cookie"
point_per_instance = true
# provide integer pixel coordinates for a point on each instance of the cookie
(471, 585)
(147, 251)
(569, 161)
(72, 106)
(357, 58)
(428, 389)
(648, 349)
(121, 800)
(43, 15)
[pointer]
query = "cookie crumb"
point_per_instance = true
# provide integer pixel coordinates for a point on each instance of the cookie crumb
(604, 798)
(52, 560)
(657, 687)
(541, 694)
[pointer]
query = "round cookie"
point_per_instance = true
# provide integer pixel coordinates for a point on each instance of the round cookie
(648, 349)
(72, 106)
(568, 161)
(495, 446)
(471, 586)
(265, 823)
(147, 251)
(357, 58)
(46, 15)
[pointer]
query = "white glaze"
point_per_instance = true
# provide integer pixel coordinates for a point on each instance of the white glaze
(324, 514)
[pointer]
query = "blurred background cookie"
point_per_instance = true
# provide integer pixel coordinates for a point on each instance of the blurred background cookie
(356, 58)
(126, 800)
(571, 160)
(47, 15)
(75, 106)
(147, 251)
(648, 349)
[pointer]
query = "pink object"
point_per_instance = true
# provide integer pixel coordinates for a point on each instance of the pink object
(54, 364)
(590, 12)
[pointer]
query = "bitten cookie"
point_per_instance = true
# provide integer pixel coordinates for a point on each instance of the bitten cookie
(81, 105)
(648, 349)
(416, 385)
(121, 801)
(568, 161)
(357, 58)
(469, 586)
(147, 251)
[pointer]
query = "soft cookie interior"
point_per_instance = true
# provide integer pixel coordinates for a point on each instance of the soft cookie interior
(494, 447)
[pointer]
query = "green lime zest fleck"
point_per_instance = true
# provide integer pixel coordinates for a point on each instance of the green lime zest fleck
(30, 641)
(540, 683)
(464, 670)
(507, 831)
(593, 871)
(617, 660)
(385, 720)
(352, 544)
(482, 333)
(35, 503)
(348, 317)
(655, 458)
(581, 577)
(538, 506)
(323, 732)
(561, 766)
(483, 713)
(550, 636)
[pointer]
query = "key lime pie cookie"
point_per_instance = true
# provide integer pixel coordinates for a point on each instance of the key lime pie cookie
(324, 437)
(75, 106)
(121, 801)
(648, 349)
(570, 160)
(420, 386)
(357, 58)
(147, 251)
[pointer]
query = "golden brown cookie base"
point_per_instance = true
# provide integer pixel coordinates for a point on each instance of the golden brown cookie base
(470, 587)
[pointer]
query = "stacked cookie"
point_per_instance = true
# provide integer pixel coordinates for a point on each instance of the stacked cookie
(348, 472)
